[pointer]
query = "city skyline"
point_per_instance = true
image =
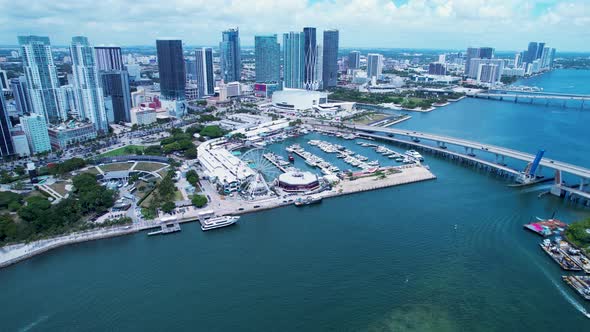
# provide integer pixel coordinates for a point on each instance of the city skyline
(362, 25)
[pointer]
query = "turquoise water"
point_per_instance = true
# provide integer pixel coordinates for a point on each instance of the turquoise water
(443, 255)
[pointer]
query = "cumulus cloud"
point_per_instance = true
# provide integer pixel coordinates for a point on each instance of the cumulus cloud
(504, 24)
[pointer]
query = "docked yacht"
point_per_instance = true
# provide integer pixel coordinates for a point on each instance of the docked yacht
(218, 222)
(414, 154)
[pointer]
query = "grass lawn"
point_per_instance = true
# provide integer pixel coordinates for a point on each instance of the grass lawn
(92, 170)
(148, 166)
(373, 117)
(124, 150)
(60, 187)
(115, 167)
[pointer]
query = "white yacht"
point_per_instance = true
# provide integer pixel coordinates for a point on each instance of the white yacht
(414, 154)
(218, 222)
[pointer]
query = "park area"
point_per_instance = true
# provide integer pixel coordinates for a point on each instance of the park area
(124, 151)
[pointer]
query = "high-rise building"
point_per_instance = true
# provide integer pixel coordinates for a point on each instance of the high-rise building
(6, 146)
(109, 58)
(477, 62)
(354, 60)
(374, 65)
(35, 128)
(190, 66)
(310, 54)
(437, 68)
(230, 56)
(204, 72)
(517, 60)
(540, 48)
(330, 59)
(87, 85)
(319, 67)
(488, 73)
(114, 79)
(471, 53)
(294, 59)
(268, 58)
(4, 83)
(115, 84)
(21, 95)
(41, 76)
(552, 58)
(171, 69)
(486, 52)
(531, 52)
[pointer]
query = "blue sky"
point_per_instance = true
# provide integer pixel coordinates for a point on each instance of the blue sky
(503, 24)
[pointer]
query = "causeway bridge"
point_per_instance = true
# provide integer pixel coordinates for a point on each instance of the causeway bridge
(474, 153)
(530, 97)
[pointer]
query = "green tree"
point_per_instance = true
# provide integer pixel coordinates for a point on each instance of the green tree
(168, 206)
(212, 131)
(199, 200)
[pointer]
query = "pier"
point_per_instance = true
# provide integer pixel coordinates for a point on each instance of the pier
(166, 229)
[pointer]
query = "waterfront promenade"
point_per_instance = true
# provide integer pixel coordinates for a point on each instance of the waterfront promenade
(221, 205)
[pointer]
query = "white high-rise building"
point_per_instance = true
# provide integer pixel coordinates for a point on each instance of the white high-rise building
(35, 129)
(374, 65)
(43, 86)
(319, 67)
(204, 71)
(86, 84)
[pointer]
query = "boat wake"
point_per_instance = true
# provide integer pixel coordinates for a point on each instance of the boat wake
(35, 323)
(567, 296)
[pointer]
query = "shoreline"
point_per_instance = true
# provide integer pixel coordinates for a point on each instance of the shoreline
(23, 251)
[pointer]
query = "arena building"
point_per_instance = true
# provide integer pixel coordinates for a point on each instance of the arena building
(297, 181)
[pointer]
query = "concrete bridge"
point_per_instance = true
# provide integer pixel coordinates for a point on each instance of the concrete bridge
(530, 97)
(472, 150)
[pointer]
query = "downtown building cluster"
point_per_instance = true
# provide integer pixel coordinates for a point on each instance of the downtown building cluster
(54, 115)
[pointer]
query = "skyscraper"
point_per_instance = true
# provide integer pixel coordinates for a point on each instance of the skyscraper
(86, 84)
(109, 58)
(354, 60)
(204, 71)
(115, 84)
(6, 146)
(4, 84)
(540, 48)
(472, 53)
(268, 58)
(21, 94)
(171, 69)
(310, 55)
(294, 59)
(330, 59)
(41, 76)
(486, 52)
(230, 56)
(35, 128)
(531, 53)
(374, 65)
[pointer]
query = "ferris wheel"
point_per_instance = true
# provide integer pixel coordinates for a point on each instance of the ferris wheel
(256, 160)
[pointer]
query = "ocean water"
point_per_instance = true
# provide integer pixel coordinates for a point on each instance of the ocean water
(443, 255)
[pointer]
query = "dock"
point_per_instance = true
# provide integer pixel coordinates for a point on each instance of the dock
(580, 284)
(271, 157)
(166, 229)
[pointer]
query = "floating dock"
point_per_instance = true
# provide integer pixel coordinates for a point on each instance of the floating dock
(166, 229)
(545, 227)
(580, 283)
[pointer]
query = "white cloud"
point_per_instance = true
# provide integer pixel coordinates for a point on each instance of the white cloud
(504, 24)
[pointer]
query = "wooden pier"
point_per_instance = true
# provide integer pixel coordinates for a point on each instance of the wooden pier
(166, 229)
